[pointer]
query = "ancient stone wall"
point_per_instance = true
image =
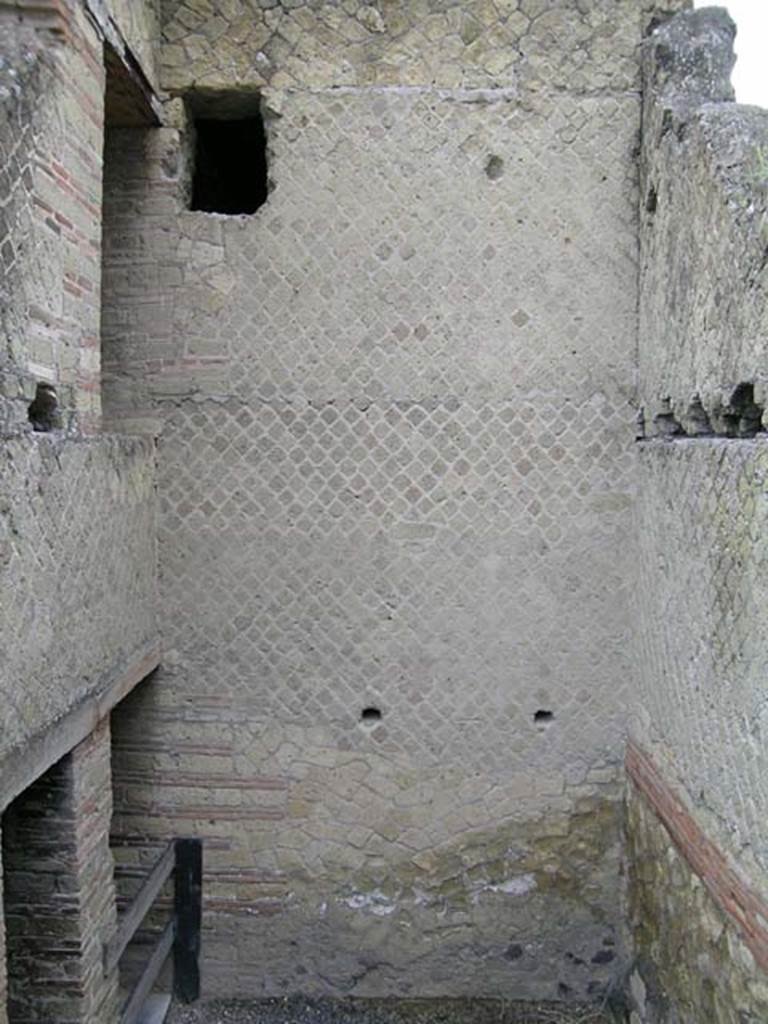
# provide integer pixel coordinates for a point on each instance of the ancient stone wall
(77, 574)
(3, 957)
(59, 891)
(395, 417)
(77, 562)
(701, 524)
(705, 199)
(138, 22)
(51, 140)
(692, 956)
(50, 193)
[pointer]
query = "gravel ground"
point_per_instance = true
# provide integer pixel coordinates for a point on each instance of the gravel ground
(383, 1011)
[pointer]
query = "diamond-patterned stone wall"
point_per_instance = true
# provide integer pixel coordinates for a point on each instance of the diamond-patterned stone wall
(702, 590)
(77, 573)
(395, 424)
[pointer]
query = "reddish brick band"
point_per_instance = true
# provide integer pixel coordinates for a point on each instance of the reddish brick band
(51, 15)
(730, 891)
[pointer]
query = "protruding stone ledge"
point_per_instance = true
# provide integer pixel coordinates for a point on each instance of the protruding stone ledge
(20, 767)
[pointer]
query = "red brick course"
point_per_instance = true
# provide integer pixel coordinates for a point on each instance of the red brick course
(732, 893)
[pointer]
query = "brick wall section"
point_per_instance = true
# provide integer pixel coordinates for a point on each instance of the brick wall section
(51, 244)
(50, 197)
(59, 891)
(3, 964)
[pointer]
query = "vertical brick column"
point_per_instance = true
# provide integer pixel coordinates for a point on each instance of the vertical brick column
(59, 891)
(3, 971)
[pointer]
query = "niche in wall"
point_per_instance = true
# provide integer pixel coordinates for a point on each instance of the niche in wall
(230, 153)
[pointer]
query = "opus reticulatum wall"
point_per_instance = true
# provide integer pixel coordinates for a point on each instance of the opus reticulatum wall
(395, 422)
(414, 568)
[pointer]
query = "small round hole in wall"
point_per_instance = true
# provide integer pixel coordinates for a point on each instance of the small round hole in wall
(370, 717)
(494, 167)
(543, 718)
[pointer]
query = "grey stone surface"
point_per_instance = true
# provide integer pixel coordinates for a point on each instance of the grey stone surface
(702, 333)
(395, 425)
(702, 524)
(395, 421)
(704, 187)
(701, 509)
(526, 45)
(692, 956)
(377, 1011)
(138, 22)
(77, 572)
(25, 78)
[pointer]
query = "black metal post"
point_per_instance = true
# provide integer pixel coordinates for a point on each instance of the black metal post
(188, 906)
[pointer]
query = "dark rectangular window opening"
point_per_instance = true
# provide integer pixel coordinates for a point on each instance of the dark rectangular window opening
(230, 165)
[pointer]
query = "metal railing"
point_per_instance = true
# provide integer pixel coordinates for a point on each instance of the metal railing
(182, 858)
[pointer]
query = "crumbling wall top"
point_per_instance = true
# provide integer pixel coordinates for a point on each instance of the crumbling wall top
(704, 233)
(688, 59)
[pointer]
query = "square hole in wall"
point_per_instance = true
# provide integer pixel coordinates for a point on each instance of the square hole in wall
(230, 153)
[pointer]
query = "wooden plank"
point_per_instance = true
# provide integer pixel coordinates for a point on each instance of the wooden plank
(135, 1003)
(137, 911)
(188, 908)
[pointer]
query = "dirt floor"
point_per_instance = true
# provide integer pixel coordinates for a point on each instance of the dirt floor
(382, 1011)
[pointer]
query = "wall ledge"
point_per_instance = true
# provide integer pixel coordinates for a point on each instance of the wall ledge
(21, 766)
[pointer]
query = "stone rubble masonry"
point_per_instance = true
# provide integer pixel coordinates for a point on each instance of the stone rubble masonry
(725, 884)
(698, 887)
(466, 890)
(702, 507)
(59, 890)
(395, 424)
(523, 45)
(694, 962)
(77, 573)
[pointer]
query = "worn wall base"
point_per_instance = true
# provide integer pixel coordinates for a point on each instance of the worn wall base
(693, 964)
